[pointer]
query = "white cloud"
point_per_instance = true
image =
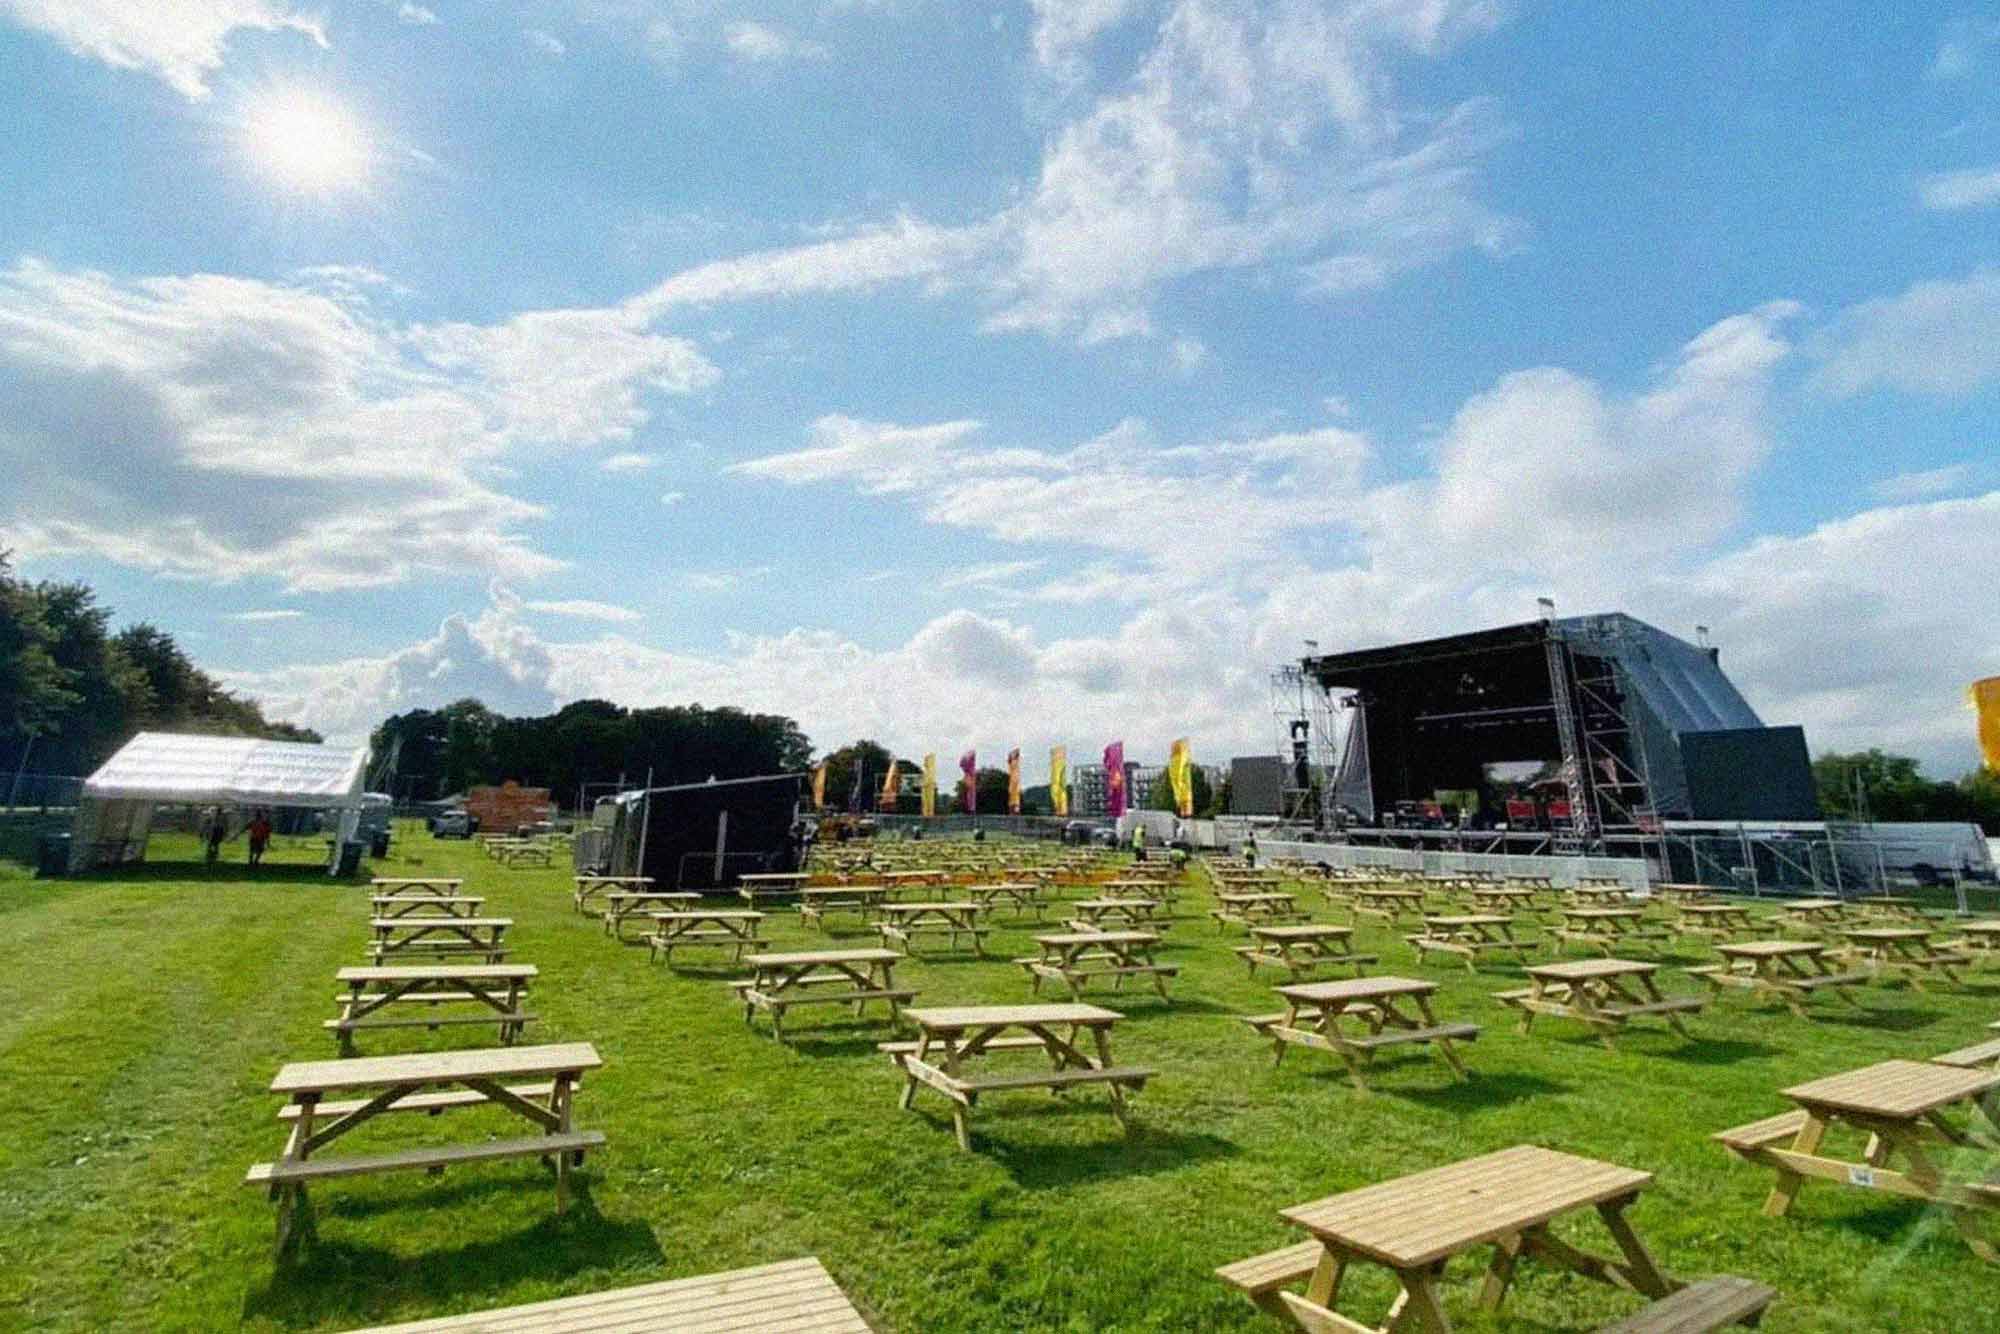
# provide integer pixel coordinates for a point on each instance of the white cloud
(1064, 27)
(583, 609)
(1940, 336)
(274, 614)
(416, 15)
(988, 574)
(1963, 46)
(722, 581)
(673, 497)
(180, 43)
(1922, 485)
(631, 461)
(286, 431)
(766, 43)
(545, 42)
(1951, 191)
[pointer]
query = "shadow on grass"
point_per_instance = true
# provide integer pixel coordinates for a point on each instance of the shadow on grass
(1139, 1152)
(1717, 1051)
(331, 1280)
(1154, 1007)
(1478, 1093)
(223, 875)
(1894, 1020)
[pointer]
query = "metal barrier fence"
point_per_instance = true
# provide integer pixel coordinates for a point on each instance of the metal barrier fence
(40, 792)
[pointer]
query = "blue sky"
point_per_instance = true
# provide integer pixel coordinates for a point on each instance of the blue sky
(1013, 373)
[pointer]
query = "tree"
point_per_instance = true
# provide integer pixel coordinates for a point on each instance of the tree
(1883, 786)
(1161, 797)
(35, 689)
(992, 791)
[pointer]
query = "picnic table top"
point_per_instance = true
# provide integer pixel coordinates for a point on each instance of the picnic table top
(650, 895)
(904, 875)
(945, 905)
(1770, 949)
(761, 876)
(840, 891)
(768, 961)
(1585, 970)
(1898, 1089)
(1467, 919)
(1259, 896)
(1356, 988)
(1985, 927)
(1301, 931)
(953, 1017)
(1110, 901)
(1888, 900)
(615, 879)
(431, 923)
(437, 972)
(1888, 933)
(1502, 891)
(1386, 892)
(1005, 885)
(1713, 909)
(436, 1067)
(1415, 1220)
(416, 900)
(417, 880)
(1061, 938)
(707, 915)
(1809, 905)
(1604, 914)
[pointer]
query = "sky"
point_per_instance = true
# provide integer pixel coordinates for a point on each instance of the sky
(972, 374)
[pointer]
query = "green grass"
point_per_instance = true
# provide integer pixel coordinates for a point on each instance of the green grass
(142, 1017)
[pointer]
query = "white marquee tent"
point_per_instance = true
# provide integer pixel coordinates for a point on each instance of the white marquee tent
(115, 814)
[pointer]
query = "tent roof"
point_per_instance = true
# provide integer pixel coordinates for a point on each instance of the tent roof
(165, 766)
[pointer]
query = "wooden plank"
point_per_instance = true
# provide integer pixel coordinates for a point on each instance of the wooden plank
(437, 1067)
(444, 1155)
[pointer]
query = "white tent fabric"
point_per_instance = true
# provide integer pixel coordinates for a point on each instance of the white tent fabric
(167, 767)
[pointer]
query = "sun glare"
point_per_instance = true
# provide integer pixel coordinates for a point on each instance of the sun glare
(305, 142)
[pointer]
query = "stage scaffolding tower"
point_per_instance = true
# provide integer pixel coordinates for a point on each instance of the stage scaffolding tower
(1302, 710)
(1603, 755)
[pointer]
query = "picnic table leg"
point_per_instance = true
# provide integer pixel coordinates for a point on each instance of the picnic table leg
(1101, 1037)
(961, 1109)
(1642, 1269)
(1422, 1310)
(1924, 1172)
(1500, 1272)
(1807, 1141)
(1323, 1288)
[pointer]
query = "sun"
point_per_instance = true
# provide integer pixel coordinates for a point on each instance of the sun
(306, 143)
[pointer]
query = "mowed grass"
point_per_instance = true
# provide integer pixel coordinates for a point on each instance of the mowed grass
(142, 1018)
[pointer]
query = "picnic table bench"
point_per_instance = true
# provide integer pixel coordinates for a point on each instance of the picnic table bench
(790, 1297)
(416, 884)
(820, 977)
(1788, 970)
(1900, 1106)
(1713, 921)
(1584, 894)
(754, 885)
(1609, 930)
(1075, 957)
(1314, 1013)
(1415, 1225)
(522, 852)
(1902, 951)
(1108, 913)
(621, 904)
(948, 1037)
(1982, 936)
(1893, 908)
(589, 886)
(1469, 936)
(1141, 887)
(733, 929)
(1248, 908)
(817, 901)
(1389, 903)
(1980, 1055)
(1298, 948)
(1503, 898)
(1681, 892)
(372, 990)
(397, 937)
(430, 1082)
(904, 924)
(425, 905)
(1600, 993)
(1812, 915)
(1023, 895)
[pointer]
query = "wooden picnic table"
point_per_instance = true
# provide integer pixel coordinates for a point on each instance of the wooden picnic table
(1902, 951)
(1415, 1225)
(1075, 957)
(1789, 970)
(498, 987)
(949, 1037)
(904, 924)
(417, 884)
(1812, 914)
(789, 1297)
(1583, 895)
(820, 977)
(1982, 935)
(1389, 903)
(399, 936)
(1713, 921)
(1145, 887)
(1298, 948)
(430, 1082)
(1108, 913)
(733, 929)
(425, 905)
(1469, 935)
(1600, 993)
(589, 886)
(1892, 907)
(1315, 1015)
(520, 852)
(1608, 930)
(1681, 892)
(1022, 895)
(1248, 908)
(816, 901)
(1901, 1107)
(621, 904)
(1507, 899)
(769, 884)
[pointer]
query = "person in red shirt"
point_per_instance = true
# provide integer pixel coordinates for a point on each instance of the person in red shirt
(259, 830)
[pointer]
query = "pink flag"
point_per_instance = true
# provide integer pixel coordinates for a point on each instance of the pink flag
(1114, 779)
(968, 764)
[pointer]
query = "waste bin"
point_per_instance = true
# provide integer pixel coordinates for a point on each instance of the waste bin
(378, 843)
(350, 857)
(52, 855)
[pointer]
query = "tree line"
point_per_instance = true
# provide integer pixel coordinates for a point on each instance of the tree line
(72, 690)
(1873, 785)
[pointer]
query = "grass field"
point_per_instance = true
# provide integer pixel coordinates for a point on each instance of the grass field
(141, 1019)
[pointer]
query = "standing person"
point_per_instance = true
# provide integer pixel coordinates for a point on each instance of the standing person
(216, 828)
(259, 830)
(1250, 849)
(1138, 843)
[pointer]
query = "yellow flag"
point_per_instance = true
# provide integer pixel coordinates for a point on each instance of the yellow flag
(889, 790)
(1059, 780)
(1014, 781)
(1985, 696)
(819, 786)
(1180, 775)
(930, 784)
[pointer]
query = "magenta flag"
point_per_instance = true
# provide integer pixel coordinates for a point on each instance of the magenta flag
(1114, 779)
(968, 764)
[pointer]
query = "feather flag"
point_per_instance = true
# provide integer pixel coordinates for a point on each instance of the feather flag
(1059, 779)
(889, 788)
(819, 786)
(968, 764)
(1985, 696)
(1114, 779)
(930, 785)
(1180, 775)
(1014, 781)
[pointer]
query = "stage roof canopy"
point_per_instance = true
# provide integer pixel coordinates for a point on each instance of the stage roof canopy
(223, 770)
